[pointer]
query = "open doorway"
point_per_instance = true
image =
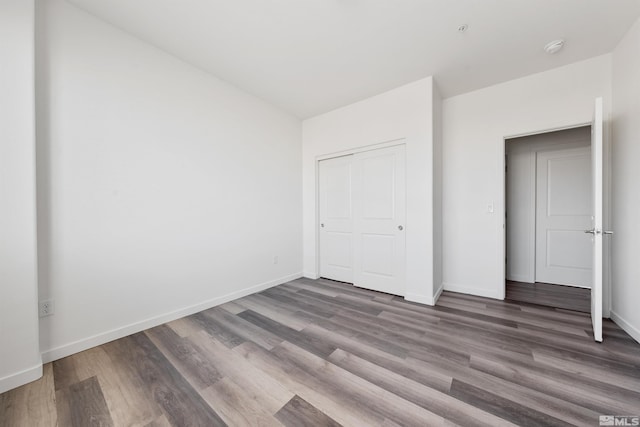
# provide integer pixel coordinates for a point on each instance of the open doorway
(548, 208)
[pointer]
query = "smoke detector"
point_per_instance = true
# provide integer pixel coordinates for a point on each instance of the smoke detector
(554, 46)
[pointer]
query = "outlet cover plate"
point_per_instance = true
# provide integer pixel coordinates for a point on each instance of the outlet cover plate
(45, 308)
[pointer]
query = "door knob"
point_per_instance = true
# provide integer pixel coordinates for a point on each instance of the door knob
(607, 232)
(592, 231)
(322, 225)
(400, 228)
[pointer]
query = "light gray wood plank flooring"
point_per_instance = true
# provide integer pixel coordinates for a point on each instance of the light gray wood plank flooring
(323, 353)
(557, 296)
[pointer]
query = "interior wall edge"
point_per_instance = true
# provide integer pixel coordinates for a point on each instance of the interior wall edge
(438, 293)
(23, 377)
(114, 334)
(419, 298)
(310, 275)
(19, 352)
(625, 325)
(625, 128)
(425, 299)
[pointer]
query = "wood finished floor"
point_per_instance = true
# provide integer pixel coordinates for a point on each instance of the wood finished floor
(321, 353)
(557, 296)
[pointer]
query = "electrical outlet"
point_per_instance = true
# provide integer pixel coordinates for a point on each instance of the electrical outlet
(45, 308)
(275, 259)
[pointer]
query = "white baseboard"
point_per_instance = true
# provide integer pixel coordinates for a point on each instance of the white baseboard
(626, 326)
(114, 334)
(520, 278)
(21, 378)
(424, 299)
(310, 275)
(487, 293)
(438, 293)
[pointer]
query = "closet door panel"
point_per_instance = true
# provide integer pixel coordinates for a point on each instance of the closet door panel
(379, 204)
(336, 218)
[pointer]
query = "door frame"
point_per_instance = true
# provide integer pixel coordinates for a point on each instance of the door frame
(606, 285)
(342, 153)
(533, 148)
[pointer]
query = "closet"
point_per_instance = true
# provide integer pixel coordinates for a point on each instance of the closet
(362, 211)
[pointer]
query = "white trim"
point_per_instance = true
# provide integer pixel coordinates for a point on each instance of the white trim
(571, 285)
(520, 278)
(495, 293)
(540, 132)
(607, 217)
(533, 217)
(21, 378)
(437, 294)
(424, 299)
(310, 275)
(419, 298)
(316, 222)
(114, 334)
(361, 149)
(626, 326)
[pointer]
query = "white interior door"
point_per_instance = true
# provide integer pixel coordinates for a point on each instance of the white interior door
(563, 212)
(597, 149)
(379, 211)
(336, 218)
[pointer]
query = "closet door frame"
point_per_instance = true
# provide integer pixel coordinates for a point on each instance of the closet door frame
(318, 159)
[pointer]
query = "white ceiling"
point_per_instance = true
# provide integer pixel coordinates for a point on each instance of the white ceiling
(312, 56)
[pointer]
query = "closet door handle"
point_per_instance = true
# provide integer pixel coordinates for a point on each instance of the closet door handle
(400, 228)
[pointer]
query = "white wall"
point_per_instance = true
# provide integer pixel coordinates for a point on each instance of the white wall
(405, 114)
(19, 356)
(437, 193)
(474, 126)
(521, 195)
(162, 190)
(626, 179)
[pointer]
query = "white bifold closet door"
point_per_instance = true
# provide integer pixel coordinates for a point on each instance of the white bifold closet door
(362, 219)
